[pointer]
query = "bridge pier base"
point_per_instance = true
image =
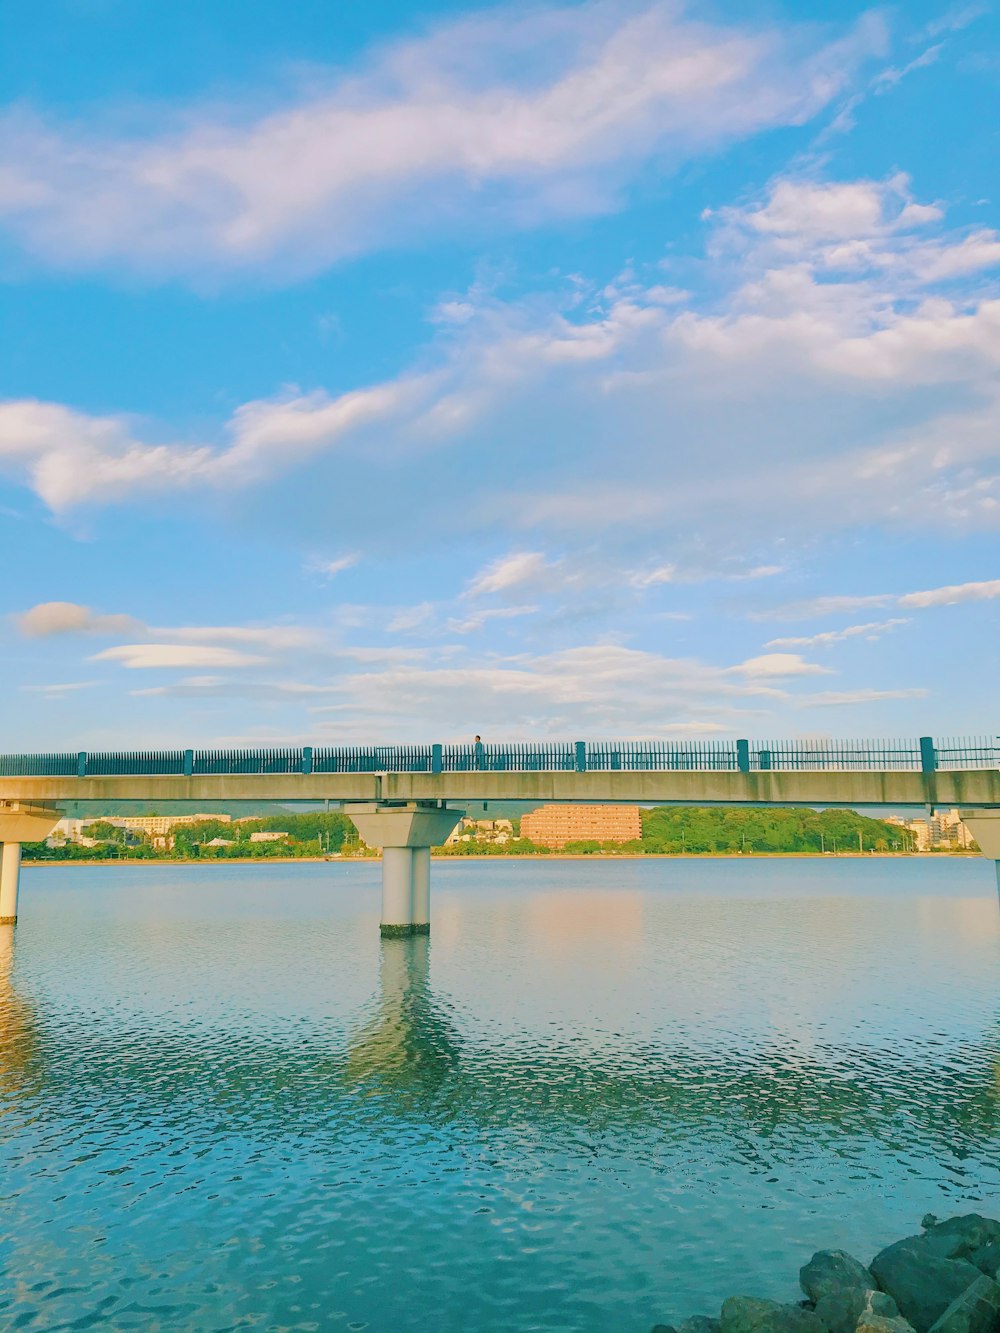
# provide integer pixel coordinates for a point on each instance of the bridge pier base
(19, 822)
(406, 832)
(984, 825)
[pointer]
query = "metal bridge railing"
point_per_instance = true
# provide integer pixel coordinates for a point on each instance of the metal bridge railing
(922, 755)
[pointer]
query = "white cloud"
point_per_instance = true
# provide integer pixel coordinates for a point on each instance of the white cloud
(71, 459)
(469, 624)
(50, 618)
(873, 630)
(175, 656)
(889, 77)
(955, 18)
(411, 618)
(517, 570)
(331, 568)
(846, 698)
(276, 638)
(591, 689)
(809, 210)
(951, 595)
(774, 666)
(651, 578)
(892, 421)
(60, 689)
(422, 132)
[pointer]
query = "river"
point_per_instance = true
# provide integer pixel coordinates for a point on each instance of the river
(605, 1094)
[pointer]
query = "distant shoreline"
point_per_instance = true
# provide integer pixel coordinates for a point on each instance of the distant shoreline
(510, 856)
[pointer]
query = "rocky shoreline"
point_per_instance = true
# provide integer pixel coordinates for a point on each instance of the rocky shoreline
(941, 1281)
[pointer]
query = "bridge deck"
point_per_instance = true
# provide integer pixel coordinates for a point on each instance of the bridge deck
(972, 788)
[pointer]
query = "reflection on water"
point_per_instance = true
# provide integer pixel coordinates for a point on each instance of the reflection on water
(600, 1095)
(411, 1047)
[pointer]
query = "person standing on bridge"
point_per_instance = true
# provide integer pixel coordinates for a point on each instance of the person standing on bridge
(480, 753)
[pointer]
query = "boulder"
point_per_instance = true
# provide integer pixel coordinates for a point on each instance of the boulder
(699, 1323)
(977, 1310)
(987, 1258)
(841, 1310)
(961, 1237)
(750, 1314)
(880, 1323)
(664, 1328)
(921, 1282)
(832, 1270)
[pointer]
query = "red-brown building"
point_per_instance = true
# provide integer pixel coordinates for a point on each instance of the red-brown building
(556, 825)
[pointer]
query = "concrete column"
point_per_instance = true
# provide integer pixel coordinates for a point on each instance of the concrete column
(397, 891)
(421, 890)
(10, 874)
(406, 832)
(984, 825)
(20, 821)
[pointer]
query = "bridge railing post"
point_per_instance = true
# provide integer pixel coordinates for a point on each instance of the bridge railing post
(437, 758)
(928, 755)
(743, 756)
(581, 756)
(764, 760)
(307, 759)
(81, 764)
(189, 763)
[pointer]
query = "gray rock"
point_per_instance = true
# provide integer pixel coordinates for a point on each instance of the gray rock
(880, 1323)
(750, 1314)
(987, 1258)
(832, 1270)
(841, 1310)
(977, 1310)
(960, 1237)
(699, 1323)
(920, 1281)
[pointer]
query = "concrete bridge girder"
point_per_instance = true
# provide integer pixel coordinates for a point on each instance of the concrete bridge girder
(984, 825)
(849, 788)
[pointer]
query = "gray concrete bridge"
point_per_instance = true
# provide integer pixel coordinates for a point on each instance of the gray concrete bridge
(398, 796)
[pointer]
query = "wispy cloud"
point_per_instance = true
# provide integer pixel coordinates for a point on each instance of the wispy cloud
(329, 569)
(517, 570)
(847, 698)
(419, 134)
(60, 689)
(175, 656)
(873, 630)
(951, 595)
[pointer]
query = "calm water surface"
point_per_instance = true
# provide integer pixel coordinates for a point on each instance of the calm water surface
(605, 1094)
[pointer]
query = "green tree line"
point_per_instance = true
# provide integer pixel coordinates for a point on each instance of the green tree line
(665, 830)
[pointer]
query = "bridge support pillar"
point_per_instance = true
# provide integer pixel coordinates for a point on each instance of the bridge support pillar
(19, 822)
(10, 874)
(406, 832)
(397, 891)
(984, 825)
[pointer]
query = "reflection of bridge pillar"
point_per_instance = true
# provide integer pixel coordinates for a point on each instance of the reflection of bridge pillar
(984, 825)
(19, 823)
(406, 832)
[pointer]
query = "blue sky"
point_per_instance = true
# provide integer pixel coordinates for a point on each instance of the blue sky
(406, 371)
